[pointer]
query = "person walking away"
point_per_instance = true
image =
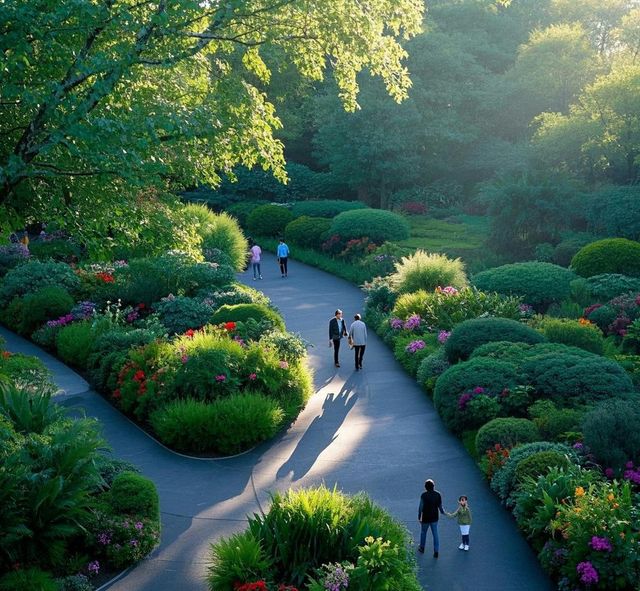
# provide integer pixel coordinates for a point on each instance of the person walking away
(283, 256)
(256, 253)
(358, 336)
(428, 514)
(463, 517)
(337, 330)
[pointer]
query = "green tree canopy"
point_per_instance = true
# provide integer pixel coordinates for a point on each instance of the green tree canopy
(102, 99)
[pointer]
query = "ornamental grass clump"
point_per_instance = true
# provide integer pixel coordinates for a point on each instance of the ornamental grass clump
(427, 271)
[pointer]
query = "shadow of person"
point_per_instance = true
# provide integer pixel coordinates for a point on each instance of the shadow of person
(322, 431)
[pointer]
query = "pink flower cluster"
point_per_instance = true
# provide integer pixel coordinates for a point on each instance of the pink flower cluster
(588, 573)
(221, 378)
(414, 346)
(468, 396)
(62, 321)
(632, 474)
(600, 544)
(412, 322)
(443, 335)
(396, 323)
(449, 290)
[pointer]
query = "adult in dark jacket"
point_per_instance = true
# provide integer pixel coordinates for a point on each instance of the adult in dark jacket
(428, 514)
(337, 330)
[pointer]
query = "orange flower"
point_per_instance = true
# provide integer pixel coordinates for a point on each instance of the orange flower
(610, 496)
(579, 491)
(585, 322)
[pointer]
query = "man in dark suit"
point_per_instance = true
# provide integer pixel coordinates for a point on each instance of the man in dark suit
(337, 330)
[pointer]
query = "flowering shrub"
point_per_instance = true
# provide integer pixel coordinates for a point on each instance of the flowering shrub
(357, 248)
(124, 540)
(494, 459)
(412, 323)
(12, 255)
(333, 245)
(414, 346)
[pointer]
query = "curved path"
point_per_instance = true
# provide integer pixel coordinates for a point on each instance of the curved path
(373, 430)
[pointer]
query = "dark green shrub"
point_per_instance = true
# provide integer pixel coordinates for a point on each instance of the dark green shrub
(242, 313)
(492, 375)
(553, 422)
(326, 208)
(12, 255)
(290, 347)
(611, 433)
(431, 368)
(605, 287)
(307, 232)
(35, 275)
(573, 333)
(269, 220)
(504, 480)
(508, 432)
(34, 309)
(615, 211)
(75, 583)
(31, 579)
(611, 255)
(570, 379)
(134, 494)
(472, 333)
(602, 316)
(538, 464)
(180, 313)
(376, 224)
(539, 284)
(110, 467)
(565, 250)
(242, 210)
(74, 342)
(379, 295)
(215, 255)
(428, 271)
(64, 250)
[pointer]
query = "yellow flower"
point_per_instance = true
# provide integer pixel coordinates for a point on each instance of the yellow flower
(610, 496)
(579, 491)
(585, 322)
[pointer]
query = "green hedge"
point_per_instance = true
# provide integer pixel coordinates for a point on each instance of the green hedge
(612, 255)
(605, 287)
(307, 232)
(470, 334)
(506, 431)
(243, 312)
(269, 220)
(376, 224)
(327, 208)
(30, 312)
(539, 284)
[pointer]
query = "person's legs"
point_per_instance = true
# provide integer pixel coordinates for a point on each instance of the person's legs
(356, 349)
(281, 261)
(362, 348)
(336, 349)
(423, 536)
(464, 530)
(285, 259)
(436, 538)
(259, 271)
(254, 266)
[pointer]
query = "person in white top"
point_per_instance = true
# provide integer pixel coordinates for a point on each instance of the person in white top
(358, 335)
(256, 253)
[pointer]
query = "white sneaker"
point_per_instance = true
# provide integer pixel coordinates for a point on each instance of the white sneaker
(461, 547)
(466, 547)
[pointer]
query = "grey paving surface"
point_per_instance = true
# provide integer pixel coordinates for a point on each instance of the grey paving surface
(373, 430)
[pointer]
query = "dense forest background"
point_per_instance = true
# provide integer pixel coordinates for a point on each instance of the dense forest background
(527, 111)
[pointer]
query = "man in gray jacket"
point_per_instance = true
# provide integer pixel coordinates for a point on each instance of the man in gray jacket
(358, 334)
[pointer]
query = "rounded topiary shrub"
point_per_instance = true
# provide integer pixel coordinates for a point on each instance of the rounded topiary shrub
(611, 432)
(539, 464)
(584, 335)
(179, 314)
(611, 255)
(35, 275)
(607, 286)
(134, 494)
(569, 378)
(243, 312)
(242, 210)
(431, 368)
(74, 343)
(539, 284)
(326, 208)
(35, 309)
(470, 334)
(376, 224)
(269, 220)
(453, 386)
(427, 271)
(307, 231)
(506, 431)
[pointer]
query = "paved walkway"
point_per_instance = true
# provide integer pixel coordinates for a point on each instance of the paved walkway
(373, 430)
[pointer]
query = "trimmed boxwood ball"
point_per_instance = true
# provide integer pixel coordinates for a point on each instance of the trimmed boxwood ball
(569, 378)
(493, 375)
(134, 494)
(242, 312)
(611, 255)
(611, 432)
(378, 225)
(470, 334)
(326, 208)
(539, 464)
(307, 231)
(269, 220)
(539, 284)
(506, 431)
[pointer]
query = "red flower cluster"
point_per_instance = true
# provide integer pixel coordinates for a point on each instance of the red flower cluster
(257, 586)
(106, 277)
(190, 333)
(230, 326)
(496, 458)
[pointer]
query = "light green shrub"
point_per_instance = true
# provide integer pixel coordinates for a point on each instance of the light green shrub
(611, 255)
(242, 312)
(428, 271)
(74, 342)
(573, 333)
(133, 494)
(27, 314)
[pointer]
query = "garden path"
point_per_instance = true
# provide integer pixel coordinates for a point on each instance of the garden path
(373, 430)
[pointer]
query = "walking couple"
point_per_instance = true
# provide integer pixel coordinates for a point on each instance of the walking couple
(357, 337)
